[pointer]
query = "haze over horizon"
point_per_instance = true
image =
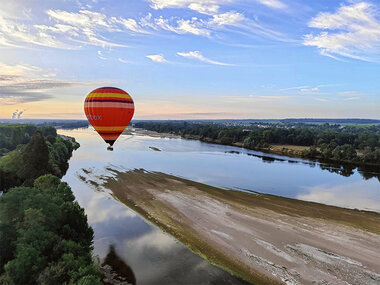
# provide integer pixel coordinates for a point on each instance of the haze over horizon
(192, 59)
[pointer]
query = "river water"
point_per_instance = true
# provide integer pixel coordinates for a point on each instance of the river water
(157, 258)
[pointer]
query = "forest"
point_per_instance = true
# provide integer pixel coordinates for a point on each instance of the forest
(338, 143)
(44, 234)
(27, 152)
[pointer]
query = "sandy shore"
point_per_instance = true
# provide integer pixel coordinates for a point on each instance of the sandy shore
(263, 238)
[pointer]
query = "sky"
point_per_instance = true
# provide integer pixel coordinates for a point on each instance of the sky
(192, 59)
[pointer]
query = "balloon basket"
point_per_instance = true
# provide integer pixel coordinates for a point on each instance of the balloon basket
(110, 148)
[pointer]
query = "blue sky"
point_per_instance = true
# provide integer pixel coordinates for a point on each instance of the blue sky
(183, 59)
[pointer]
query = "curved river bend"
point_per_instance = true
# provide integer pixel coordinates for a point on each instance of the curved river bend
(157, 258)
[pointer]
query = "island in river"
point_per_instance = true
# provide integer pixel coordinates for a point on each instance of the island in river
(265, 239)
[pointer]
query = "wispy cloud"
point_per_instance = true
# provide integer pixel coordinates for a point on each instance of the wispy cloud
(208, 6)
(75, 29)
(23, 83)
(201, 6)
(181, 26)
(130, 25)
(69, 29)
(216, 22)
(306, 89)
(294, 88)
(157, 58)
(254, 98)
(310, 90)
(198, 56)
(352, 31)
(13, 33)
(230, 18)
(100, 55)
(14, 97)
(352, 98)
(321, 99)
(124, 60)
(87, 24)
(276, 4)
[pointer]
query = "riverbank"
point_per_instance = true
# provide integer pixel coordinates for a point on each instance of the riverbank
(295, 151)
(263, 238)
(325, 144)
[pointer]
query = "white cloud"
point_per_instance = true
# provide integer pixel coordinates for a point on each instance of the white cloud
(305, 89)
(129, 24)
(310, 90)
(276, 4)
(294, 88)
(198, 55)
(87, 23)
(123, 60)
(201, 6)
(209, 7)
(191, 26)
(157, 58)
(58, 28)
(183, 26)
(228, 18)
(12, 33)
(352, 31)
(209, 27)
(69, 29)
(85, 19)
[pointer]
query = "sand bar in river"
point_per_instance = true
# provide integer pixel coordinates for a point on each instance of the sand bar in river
(263, 238)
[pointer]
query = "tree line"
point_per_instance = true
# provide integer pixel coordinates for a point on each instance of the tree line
(354, 144)
(44, 234)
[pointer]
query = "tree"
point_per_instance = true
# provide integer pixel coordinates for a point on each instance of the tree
(35, 158)
(47, 181)
(11, 162)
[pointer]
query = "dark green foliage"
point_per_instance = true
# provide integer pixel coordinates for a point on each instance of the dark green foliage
(13, 135)
(328, 142)
(50, 139)
(47, 181)
(44, 236)
(48, 131)
(35, 158)
(41, 155)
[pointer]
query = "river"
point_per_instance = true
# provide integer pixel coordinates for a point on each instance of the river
(157, 258)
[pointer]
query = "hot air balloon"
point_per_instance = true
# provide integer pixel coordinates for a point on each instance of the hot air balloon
(109, 110)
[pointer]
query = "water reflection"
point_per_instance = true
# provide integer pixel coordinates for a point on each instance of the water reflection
(362, 195)
(218, 165)
(117, 268)
(155, 257)
(367, 171)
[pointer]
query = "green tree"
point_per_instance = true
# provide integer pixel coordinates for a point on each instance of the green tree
(11, 162)
(35, 158)
(47, 181)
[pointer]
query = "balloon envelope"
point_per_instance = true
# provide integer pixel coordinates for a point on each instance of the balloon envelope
(109, 110)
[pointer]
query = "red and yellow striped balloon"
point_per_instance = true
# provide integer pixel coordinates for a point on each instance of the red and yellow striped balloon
(109, 110)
